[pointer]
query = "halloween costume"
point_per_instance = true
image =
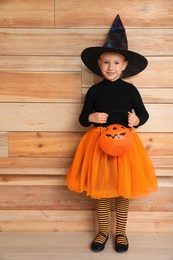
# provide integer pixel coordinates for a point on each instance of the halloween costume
(102, 175)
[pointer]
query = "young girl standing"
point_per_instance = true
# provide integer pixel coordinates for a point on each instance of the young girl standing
(112, 101)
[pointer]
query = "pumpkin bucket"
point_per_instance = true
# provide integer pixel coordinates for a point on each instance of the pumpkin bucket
(116, 140)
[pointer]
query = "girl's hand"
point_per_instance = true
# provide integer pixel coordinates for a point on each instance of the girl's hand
(97, 117)
(133, 120)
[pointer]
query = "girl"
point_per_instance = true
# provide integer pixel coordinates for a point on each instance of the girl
(112, 101)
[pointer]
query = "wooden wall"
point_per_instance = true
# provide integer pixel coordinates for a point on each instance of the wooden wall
(42, 86)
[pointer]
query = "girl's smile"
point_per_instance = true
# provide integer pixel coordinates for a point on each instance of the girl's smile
(111, 65)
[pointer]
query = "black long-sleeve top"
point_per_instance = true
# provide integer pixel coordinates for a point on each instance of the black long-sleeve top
(108, 96)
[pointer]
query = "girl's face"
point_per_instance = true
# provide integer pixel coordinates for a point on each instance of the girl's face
(111, 65)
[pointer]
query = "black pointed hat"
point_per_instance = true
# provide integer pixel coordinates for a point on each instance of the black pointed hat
(116, 42)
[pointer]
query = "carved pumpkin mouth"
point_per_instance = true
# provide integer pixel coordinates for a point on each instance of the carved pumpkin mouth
(117, 136)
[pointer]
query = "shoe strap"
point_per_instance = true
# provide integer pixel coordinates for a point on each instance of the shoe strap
(121, 235)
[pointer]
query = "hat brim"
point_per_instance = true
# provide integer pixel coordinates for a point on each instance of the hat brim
(136, 62)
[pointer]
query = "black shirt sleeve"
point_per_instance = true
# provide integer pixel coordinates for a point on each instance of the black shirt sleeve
(88, 108)
(139, 108)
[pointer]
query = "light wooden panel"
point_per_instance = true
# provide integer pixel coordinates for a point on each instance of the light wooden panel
(3, 151)
(64, 117)
(3, 145)
(156, 13)
(40, 87)
(58, 180)
(59, 166)
(47, 117)
(47, 144)
(158, 74)
(40, 63)
(20, 197)
(23, 162)
(30, 13)
(3, 138)
(19, 162)
(160, 172)
(53, 220)
(57, 41)
(42, 144)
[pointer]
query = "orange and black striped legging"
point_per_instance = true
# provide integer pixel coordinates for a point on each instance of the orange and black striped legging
(103, 213)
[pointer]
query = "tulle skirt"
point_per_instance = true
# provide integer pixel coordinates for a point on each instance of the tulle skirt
(103, 176)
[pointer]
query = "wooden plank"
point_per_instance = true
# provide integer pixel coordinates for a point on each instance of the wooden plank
(40, 63)
(56, 180)
(40, 87)
(51, 220)
(3, 144)
(3, 139)
(25, 197)
(19, 162)
(48, 117)
(64, 117)
(133, 227)
(63, 171)
(147, 14)
(50, 144)
(164, 162)
(38, 41)
(49, 171)
(44, 180)
(157, 95)
(31, 14)
(42, 144)
(59, 166)
(3, 151)
(154, 76)
(83, 216)
(159, 162)
(158, 117)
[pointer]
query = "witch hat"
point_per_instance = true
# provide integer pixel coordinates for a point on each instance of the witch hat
(116, 42)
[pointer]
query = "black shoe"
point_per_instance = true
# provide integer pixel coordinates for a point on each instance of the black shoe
(121, 248)
(96, 246)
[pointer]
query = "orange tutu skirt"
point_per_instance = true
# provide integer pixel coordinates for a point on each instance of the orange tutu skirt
(103, 176)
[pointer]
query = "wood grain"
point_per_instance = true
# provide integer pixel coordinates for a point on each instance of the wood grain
(157, 13)
(59, 166)
(3, 144)
(159, 162)
(59, 220)
(64, 117)
(40, 63)
(31, 14)
(40, 87)
(38, 41)
(48, 144)
(19, 162)
(58, 180)
(22, 197)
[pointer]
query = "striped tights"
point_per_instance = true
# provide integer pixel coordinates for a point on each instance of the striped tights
(103, 213)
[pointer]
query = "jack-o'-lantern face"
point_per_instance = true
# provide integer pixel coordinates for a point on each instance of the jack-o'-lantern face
(116, 140)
